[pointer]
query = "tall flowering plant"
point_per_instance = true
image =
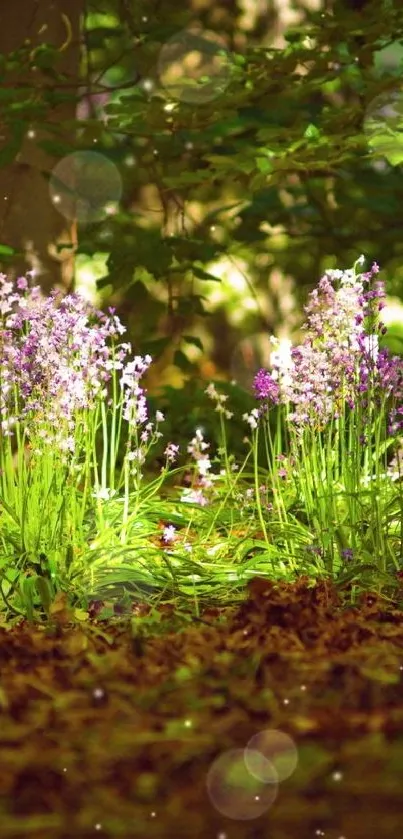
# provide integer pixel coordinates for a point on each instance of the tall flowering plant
(66, 387)
(341, 399)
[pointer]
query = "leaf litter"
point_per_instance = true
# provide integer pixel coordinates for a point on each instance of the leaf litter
(110, 728)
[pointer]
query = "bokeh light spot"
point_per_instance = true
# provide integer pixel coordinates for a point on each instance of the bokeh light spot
(278, 752)
(234, 791)
(194, 66)
(383, 126)
(84, 185)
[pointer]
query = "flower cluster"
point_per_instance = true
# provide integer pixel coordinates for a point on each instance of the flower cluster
(339, 360)
(204, 480)
(266, 387)
(219, 399)
(53, 360)
(57, 355)
(171, 452)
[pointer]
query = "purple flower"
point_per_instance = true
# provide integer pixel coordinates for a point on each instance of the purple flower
(22, 283)
(171, 452)
(266, 387)
(339, 362)
(56, 358)
(169, 534)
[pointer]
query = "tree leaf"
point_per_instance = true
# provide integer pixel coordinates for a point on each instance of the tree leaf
(192, 339)
(181, 360)
(204, 275)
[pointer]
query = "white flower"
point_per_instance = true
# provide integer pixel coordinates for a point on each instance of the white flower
(67, 444)
(281, 358)
(252, 418)
(371, 346)
(169, 533)
(192, 496)
(136, 455)
(203, 465)
(171, 452)
(335, 273)
(104, 493)
(211, 391)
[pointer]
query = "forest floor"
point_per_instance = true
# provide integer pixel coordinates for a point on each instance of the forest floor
(110, 730)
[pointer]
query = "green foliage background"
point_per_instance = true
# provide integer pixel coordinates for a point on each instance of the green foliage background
(277, 169)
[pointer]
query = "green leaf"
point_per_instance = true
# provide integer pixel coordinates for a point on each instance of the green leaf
(264, 165)
(5, 250)
(395, 157)
(312, 132)
(192, 339)
(293, 36)
(54, 148)
(146, 248)
(45, 591)
(191, 305)
(204, 275)
(183, 673)
(28, 590)
(103, 281)
(181, 360)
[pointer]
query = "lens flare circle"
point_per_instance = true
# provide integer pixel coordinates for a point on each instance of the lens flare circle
(234, 791)
(85, 186)
(383, 126)
(194, 66)
(279, 753)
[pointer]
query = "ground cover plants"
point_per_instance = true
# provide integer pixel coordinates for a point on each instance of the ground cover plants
(153, 622)
(324, 499)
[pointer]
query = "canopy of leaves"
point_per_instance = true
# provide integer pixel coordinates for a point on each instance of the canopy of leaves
(284, 154)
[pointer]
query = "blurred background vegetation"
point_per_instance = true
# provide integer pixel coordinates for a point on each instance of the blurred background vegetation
(197, 166)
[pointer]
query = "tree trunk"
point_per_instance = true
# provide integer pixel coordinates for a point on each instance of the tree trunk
(29, 222)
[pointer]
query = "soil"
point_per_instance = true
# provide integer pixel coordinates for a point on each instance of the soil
(114, 730)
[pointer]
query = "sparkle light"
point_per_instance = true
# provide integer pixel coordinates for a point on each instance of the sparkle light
(111, 209)
(98, 693)
(147, 85)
